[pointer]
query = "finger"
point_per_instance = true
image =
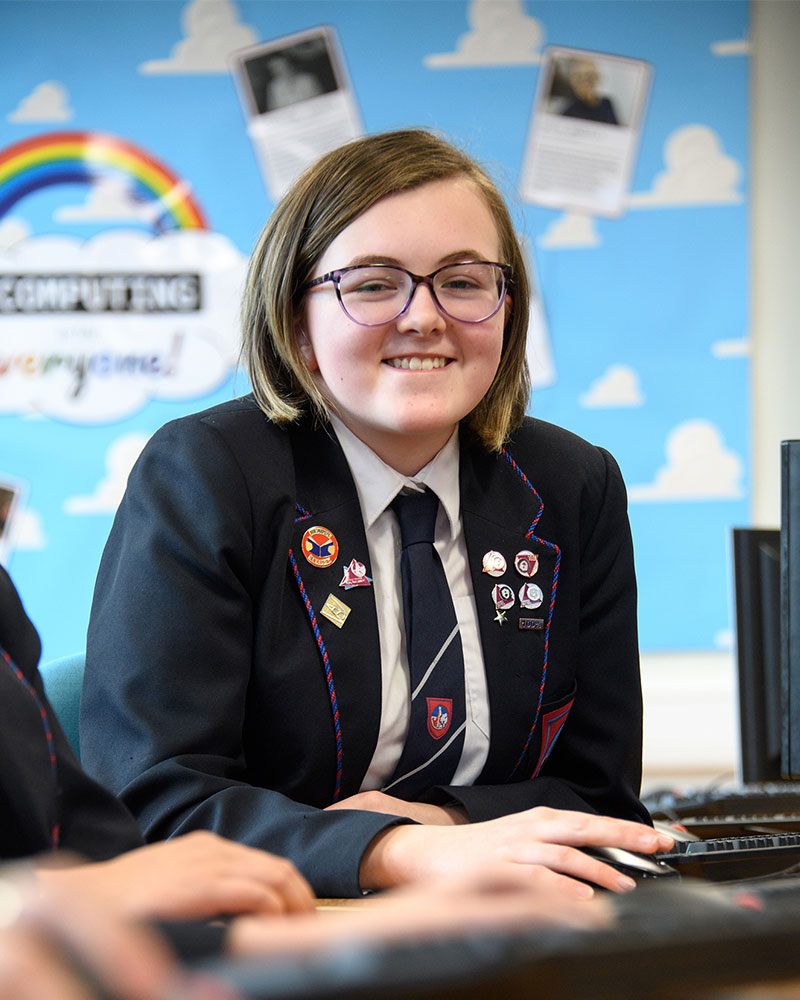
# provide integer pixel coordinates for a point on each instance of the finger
(550, 898)
(241, 895)
(585, 829)
(549, 883)
(280, 875)
(576, 864)
(298, 896)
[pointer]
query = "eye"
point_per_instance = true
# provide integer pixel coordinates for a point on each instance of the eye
(372, 282)
(463, 279)
(459, 282)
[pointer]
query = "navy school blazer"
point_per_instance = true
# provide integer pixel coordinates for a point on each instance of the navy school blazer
(217, 695)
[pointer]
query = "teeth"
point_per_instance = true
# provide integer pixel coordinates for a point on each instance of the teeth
(417, 364)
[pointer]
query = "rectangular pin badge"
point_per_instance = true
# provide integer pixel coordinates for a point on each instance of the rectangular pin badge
(335, 611)
(531, 623)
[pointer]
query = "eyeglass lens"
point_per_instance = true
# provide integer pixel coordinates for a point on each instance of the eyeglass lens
(375, 294)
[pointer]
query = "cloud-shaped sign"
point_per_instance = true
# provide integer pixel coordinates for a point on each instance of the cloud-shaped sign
(92, 331)
(13, 231)
(617, 387)
(730, 348)
(120, 459)
(109, 199)
(212, 31)
(698, 171)
(501, 34)
(48, 102)
(571, 230)
(29, 534)
(731, 47)
(698, 467)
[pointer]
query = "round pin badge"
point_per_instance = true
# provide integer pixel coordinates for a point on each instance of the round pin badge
(503, 597)
(320, 546)
(526, 563)
(494, 563)
(530, 596)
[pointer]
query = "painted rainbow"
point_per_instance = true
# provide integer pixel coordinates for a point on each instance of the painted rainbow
(87, 157)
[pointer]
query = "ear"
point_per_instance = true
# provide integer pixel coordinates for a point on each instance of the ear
(304, 344)
(508, 306)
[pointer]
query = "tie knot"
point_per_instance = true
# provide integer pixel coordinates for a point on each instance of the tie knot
(416, 514)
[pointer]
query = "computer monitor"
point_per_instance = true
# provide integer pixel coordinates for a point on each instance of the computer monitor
(790, 607)
(757, 577)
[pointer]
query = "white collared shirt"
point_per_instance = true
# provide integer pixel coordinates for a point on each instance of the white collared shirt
(377, 484)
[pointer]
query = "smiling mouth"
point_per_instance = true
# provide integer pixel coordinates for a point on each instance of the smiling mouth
(417, 364)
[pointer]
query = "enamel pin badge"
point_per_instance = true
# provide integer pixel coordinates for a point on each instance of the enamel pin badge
(526, 563)
(530, 596)
(503, 599)
(335, 611)
(320, 547)
(355, 575)
(494, 563)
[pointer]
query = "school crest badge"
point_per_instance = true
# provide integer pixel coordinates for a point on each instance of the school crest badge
(440, 715)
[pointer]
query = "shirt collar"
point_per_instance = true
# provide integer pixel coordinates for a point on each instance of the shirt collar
(377, 483)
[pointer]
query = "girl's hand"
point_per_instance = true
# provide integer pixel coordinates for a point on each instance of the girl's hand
(380, 802)
(497, 898)
(537, 839)
(197, 876)
(64, 944)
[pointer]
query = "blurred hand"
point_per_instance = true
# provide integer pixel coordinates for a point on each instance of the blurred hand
(197, 876)
(499, 897)
(64, 945)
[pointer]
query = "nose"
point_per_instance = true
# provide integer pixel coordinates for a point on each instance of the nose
(422, 315)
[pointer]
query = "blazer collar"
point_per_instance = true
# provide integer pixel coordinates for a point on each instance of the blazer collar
(327, 498)
(500, 509)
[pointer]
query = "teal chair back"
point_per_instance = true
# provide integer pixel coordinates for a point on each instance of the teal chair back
(63, 680)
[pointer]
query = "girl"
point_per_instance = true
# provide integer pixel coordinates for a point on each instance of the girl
(255, 647)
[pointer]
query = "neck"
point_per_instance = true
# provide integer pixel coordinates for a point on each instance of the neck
(408, 456)
(405, 453)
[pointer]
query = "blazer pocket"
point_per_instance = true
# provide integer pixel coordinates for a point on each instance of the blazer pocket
(551, 722)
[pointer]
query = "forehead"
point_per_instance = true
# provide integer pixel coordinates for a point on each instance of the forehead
(586, 71)
(427, 223)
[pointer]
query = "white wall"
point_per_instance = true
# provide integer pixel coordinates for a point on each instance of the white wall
(775, 143)
(691, 713)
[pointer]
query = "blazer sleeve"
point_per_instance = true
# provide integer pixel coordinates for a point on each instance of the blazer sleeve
(169, 658)
(93, 822)
(47, 799)
(595, 764)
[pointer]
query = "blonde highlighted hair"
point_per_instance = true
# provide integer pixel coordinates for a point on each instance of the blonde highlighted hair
(321, 204)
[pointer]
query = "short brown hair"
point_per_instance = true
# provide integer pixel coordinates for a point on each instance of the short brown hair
(321, 204)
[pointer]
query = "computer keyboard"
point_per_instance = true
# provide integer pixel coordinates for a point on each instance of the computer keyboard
(752, 799)
(706, 827)
(681, 935)
(734, 859)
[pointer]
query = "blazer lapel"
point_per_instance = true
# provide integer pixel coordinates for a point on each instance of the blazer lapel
(343, 622)
(500, 510)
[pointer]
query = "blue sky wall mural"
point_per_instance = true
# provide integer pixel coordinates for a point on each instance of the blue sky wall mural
(134, 179)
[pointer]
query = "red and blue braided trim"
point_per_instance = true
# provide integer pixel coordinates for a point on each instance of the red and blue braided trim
(551, 545)
(323, 652)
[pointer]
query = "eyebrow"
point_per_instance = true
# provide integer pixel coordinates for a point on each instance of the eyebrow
(458, 256)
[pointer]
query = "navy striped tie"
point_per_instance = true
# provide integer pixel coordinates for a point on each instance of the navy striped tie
(436, 664)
